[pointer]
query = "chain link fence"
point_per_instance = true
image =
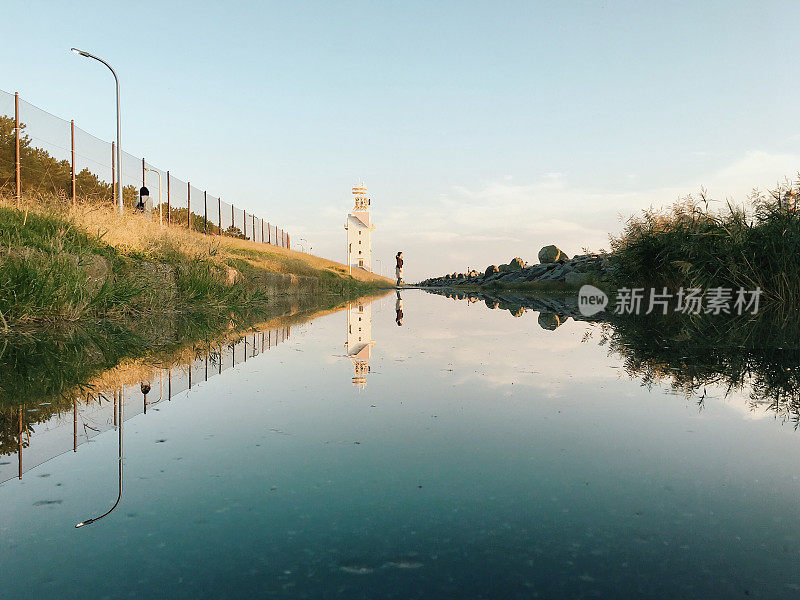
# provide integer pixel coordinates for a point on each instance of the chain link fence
(44, 154)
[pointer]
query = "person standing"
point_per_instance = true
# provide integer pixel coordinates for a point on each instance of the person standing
(399, 268)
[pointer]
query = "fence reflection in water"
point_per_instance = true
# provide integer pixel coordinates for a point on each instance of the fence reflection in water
(97, 412)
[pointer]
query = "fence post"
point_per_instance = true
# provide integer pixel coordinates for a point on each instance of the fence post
(219, 213)
(189, 207)
(19, 443)
(244, 223)
(262, 231)
(18, 181)
(113, 175)
(72, 166)
(233, 221)
(269, 233)
(143, 170)
(288, 241)
(254, 228)
(169, 207)
(205, 212)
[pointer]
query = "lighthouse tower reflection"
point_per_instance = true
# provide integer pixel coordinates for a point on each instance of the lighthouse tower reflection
(359, 340)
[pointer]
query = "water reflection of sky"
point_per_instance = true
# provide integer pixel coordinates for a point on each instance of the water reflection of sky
(484, 457)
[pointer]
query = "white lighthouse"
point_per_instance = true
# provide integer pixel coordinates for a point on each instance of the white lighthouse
(359, 341)
(359, 232)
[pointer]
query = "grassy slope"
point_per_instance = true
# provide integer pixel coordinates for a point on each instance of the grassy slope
(59, 262)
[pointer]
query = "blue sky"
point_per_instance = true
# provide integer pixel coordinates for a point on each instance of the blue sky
(484, 130)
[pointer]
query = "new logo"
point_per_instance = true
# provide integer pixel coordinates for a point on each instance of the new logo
(591, 300)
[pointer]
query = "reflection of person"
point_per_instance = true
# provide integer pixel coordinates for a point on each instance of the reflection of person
(399, 268)
(398, 308)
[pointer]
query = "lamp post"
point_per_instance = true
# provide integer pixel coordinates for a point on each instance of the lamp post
(119, 142)
(119, 494)
(304, 246)
(157, 172)
(380, 266)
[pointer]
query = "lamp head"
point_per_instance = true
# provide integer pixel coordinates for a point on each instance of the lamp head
(81, 52)
(82, 523)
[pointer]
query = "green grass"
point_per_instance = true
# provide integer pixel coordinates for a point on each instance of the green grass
(54, 268)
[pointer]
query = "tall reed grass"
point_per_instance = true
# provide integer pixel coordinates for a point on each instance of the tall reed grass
(690, 245)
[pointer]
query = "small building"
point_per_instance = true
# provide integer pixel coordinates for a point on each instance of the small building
(359, 231)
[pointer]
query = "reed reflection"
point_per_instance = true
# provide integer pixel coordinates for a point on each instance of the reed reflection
(756, 355)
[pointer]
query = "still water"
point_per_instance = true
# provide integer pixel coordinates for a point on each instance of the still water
(463, 454)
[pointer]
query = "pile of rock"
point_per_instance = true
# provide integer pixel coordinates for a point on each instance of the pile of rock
(554, 265)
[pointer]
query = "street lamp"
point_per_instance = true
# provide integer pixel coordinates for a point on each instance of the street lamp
(157, 172)
(119, 143)
(119, 494)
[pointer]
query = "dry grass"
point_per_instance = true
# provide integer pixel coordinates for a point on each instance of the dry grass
(139, 234)
(60, 261)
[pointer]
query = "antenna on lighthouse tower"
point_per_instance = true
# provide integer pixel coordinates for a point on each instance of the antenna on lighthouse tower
(359, 231)
(361, 200)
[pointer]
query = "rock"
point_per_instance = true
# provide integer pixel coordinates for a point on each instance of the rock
(550, 254)
(549, 321)
(231, 275)
(515, 264)
(515, 277)
(576, 278)
(491, 269)
(554, 274)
